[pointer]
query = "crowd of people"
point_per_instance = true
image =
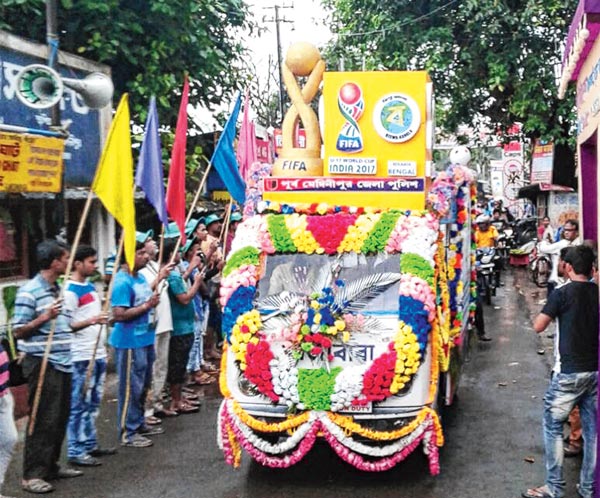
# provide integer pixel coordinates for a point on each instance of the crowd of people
(165, 334)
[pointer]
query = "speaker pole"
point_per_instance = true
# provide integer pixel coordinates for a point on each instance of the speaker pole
(53, 44)
(52, 39)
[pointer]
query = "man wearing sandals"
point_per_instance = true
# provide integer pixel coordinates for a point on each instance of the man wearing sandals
(36, 307)
(574, 374)
(133, 303)
(182, 338)
(87, 321)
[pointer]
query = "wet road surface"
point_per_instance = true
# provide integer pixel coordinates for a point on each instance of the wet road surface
(491, 432)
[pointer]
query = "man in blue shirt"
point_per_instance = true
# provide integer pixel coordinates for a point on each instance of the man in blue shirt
(133, 303)
(36, 307)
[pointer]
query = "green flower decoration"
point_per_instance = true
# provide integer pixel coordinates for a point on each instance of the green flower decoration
(245, 256)
(417, 265)
(315, 387)
(380, 234)
(280, 235)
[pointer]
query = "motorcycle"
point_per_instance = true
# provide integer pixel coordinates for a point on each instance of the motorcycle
(540, 266)
(524, 230)
(488, 273)
(504, 244)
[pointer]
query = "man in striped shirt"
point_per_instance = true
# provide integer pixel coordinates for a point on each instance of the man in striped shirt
(36, 307)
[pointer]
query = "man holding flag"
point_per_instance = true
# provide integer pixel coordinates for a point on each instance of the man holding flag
(133, 337)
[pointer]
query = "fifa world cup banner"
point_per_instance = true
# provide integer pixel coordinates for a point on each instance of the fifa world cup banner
(378, 124)
(30, 163)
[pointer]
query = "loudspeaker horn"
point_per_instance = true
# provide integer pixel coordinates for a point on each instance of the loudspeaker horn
(96, 89)
(41, 87)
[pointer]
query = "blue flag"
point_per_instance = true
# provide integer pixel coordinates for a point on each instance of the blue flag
(149, 174)
(224, 160)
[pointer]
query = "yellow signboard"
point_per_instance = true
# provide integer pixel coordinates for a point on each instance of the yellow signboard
(378, 124)
(30, 163)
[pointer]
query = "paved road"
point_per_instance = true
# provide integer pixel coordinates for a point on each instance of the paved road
(493, 428)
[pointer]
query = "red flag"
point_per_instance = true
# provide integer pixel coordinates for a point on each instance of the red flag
(176, 185)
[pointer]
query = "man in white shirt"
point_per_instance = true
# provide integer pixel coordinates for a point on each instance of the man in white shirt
(84, 307)
(570, 235)
(164, 327)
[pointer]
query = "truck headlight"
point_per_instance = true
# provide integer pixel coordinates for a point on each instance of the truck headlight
(247, 388)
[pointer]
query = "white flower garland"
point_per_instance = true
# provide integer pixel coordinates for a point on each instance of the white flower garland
(374, 451)
(277, 448)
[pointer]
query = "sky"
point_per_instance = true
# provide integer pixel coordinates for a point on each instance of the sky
(306, 23)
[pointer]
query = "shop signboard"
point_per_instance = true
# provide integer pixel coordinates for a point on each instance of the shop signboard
(542, 162)
(30, 163)
(85, 126)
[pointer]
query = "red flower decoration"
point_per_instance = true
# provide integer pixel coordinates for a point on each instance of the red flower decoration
(258, 371)
(329, 230)
(378, 378)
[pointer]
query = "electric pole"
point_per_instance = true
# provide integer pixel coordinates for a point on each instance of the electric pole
(52, 40)
(277, 20)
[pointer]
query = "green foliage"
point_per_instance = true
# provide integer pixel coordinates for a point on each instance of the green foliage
(149, 44)
(492, 62)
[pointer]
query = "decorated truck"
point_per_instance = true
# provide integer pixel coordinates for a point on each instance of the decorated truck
(346, 299)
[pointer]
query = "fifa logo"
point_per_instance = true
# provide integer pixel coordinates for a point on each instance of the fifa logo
(351, 106)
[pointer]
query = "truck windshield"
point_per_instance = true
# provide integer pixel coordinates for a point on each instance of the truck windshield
(375, 279)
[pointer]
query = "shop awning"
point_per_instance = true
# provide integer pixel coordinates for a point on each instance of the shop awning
(532, 191)
(584, 30)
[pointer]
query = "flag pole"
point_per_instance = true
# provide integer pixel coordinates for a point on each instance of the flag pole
(225, 227)
(44, 365)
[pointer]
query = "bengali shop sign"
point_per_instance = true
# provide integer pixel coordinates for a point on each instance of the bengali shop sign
(30, 163)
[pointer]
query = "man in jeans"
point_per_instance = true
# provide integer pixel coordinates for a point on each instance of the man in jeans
(133, 339)
(574, 374)
(36, 307)
(87, 321)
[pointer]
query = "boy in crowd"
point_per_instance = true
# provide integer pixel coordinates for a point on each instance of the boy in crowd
(84, 307)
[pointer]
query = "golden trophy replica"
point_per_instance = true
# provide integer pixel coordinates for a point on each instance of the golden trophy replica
(303, 59)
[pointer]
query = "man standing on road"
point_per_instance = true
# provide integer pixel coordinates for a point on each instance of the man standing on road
(36, 307)
(87, 321)
(133, 339)
(574, 374)
(570, 238)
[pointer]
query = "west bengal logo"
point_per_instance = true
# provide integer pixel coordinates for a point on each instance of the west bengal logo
(396, 117)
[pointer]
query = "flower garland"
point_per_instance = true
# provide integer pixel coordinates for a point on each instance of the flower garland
(244, 256)
(377, 239)
(232, 421)
(239, 303)
(320, 391)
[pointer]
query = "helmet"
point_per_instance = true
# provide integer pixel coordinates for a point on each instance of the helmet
(482, 218)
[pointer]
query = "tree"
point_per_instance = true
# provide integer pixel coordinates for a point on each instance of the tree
(149, 44)
(493, 62)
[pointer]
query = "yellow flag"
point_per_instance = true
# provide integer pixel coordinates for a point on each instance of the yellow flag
(113, 183)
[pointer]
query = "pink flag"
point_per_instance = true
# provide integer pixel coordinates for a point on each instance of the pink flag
(176, 185)
(246, 149)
